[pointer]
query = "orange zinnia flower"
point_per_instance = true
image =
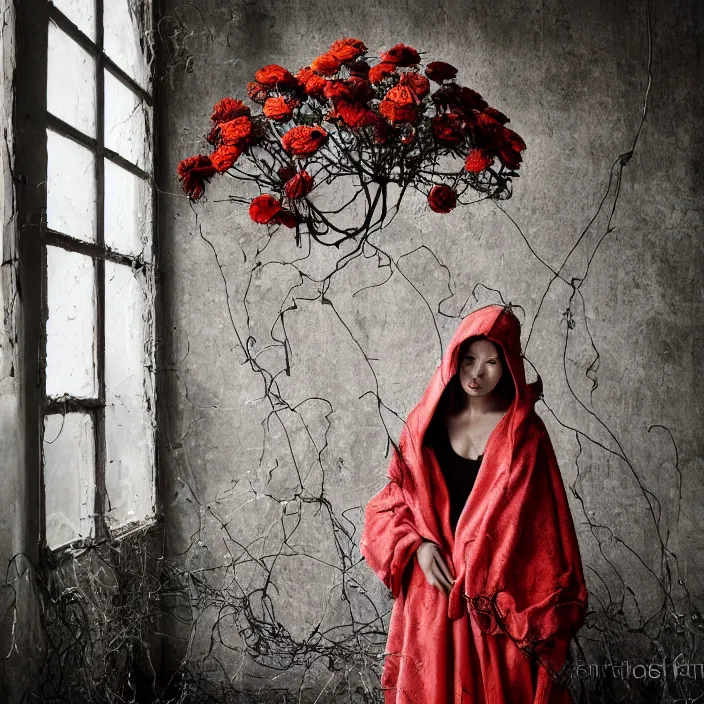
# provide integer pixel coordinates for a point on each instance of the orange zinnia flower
(227, 109)
(327, 64)
(304, 140)
(273, 75)
(347, 49)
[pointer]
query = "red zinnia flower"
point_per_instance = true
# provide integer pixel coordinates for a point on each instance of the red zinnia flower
(399, 104)
(227, 109)
(394, 112)
(303, 140)
(338, 89)
(273, 75)
(286, 173)
(299, 186)
(236, 133)
(327, 64)
(458, 97)
(420, 85)
(510, 148)
(448, 128)
(280, 109)
(361, 89)
(263, 209)
(193, 172)
(355, 114)
(497, 115)
(477, 161)
(313, 84)
(440, 71)
(487, 121)
(401, 95)
(401, 55)
(225, 156)
(485, 130)
(494, 138)
(359, 68)
(257, 92)
(347, 49)
(470, 100)
(286, 218)
(442, 198)
(381, 71)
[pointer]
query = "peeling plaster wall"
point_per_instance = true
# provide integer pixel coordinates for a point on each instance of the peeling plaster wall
(12, 502)
(9, 411)
(573, 78)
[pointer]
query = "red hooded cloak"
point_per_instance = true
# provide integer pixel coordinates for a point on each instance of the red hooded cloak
(502, 634)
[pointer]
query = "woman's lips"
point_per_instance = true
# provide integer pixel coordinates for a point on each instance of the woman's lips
(474, 386)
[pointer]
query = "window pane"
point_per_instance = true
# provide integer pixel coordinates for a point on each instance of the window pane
(70, 329)
(70, 206)
(81, 13)
(69, 477)
(70, 90)
(127, 30)
(128, 212)
(127, 123)
(129, 395)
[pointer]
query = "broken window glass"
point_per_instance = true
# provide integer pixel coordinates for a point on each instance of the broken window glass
(127, 121)
(69, 471)
(129, 395)
(71, 326)
(126, 37)
(70, 197)
(70, 88)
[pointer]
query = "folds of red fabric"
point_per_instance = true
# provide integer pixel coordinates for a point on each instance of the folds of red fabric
(522, 577)
(515, 552)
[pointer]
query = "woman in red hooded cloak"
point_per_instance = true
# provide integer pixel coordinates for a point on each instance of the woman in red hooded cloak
(511, 565)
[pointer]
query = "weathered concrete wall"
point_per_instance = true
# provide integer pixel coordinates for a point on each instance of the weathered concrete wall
(242, 476)
(14, 628)
(9, 409)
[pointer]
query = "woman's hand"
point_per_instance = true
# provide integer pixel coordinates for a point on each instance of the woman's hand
(434, 567)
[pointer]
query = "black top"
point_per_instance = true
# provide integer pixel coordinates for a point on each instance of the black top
(460, 472)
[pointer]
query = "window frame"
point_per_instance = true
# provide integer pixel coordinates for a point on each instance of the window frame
(31, 121)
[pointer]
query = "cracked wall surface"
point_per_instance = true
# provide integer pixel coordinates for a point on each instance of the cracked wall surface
(9, 440)
(268, 473)
(282, 384)
(12, 495)
(9, 444)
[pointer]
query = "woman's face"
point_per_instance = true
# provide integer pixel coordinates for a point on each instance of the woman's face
(480, 369)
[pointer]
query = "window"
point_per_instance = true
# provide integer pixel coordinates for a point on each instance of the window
(94, 254)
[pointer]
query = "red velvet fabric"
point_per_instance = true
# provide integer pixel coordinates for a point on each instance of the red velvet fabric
(520, 588)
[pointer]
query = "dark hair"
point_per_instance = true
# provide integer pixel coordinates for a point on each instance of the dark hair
(454, 396)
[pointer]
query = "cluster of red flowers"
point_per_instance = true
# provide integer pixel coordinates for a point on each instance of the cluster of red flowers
(387, 105)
